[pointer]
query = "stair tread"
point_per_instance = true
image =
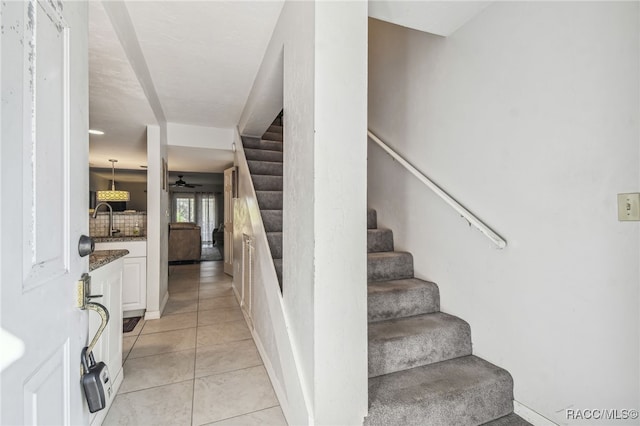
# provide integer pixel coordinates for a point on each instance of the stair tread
(267, 182)
(401, 298)
(372, 220)
(269, 200)
(265, 168)
(275, 244)
(509, 420)
(389, 265)
(399, 328)
(393, 286)
(379, 240)
(465, 390)
(277, 263)
(272, 220)
(272, 136)
(264, 150)
(253, 154)
(402, 343)
(270, 177)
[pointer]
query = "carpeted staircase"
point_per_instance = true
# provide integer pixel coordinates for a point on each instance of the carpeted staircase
(264, 157)
(421, 367)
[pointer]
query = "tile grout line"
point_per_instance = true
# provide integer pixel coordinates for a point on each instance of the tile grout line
(195, 355)
(155, 387)
(244, 414)
(220, 373)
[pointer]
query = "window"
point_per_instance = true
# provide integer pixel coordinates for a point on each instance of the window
(184, 210)
(197, 207)
(207, 217)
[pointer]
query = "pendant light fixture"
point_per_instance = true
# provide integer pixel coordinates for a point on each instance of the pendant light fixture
(113, 195)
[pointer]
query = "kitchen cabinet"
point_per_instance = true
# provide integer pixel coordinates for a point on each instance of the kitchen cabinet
(107, 281)
(134, 279)
(134, 293)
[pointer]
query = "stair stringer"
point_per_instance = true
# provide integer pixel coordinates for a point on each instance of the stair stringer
(266, 319)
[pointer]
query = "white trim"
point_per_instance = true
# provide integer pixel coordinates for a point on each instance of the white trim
(531, 416)
(466, 214)
(151, 315)
(277, 387)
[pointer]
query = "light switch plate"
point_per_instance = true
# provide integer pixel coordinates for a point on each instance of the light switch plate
(629, 206)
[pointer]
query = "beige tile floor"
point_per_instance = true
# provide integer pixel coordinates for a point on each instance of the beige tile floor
(197, 365)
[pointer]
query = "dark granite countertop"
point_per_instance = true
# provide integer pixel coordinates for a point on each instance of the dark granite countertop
(119, 239)
(103, 257)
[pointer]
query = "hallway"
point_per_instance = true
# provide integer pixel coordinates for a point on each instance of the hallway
(196, 365)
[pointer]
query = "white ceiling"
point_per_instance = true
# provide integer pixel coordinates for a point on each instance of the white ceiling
(117, 104)
(202, 58)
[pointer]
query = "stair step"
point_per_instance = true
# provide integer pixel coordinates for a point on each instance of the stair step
(509, 420)
(269, 200)
(404, 343)
(249, 142)
(267, 182)
(372, 219)
(275, 244)
(272, 136)
(379, 240)
(274, 128)
(461, 391)
(256, 143)
(278, 265)
(401, 298)
(263, 155)
(265, 168)
(390, 265)
(272, 220)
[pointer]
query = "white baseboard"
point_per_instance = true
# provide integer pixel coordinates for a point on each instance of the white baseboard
(531, 416)
(277, 387)
(151, 315)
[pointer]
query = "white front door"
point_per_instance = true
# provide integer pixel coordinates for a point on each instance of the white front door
(44, 208)
(229, 187)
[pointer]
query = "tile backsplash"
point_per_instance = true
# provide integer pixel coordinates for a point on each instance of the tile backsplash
(125, 222)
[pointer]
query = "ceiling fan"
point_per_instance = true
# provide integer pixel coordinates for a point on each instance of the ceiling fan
(180, 183)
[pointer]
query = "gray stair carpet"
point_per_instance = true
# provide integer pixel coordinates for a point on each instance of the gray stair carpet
(264, 158)
(421, 367)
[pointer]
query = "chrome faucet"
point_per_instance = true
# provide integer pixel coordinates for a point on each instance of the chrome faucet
(95, 214)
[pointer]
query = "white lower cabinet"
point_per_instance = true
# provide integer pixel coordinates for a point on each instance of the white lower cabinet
(134, 278)
(134, 291)
(107, 281)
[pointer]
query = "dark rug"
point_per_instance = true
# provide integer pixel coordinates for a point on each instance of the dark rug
(210, 253)
(128, 324)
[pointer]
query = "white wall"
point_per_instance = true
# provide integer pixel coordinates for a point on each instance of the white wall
(199, 136)
(157, 223)
(322, 48)
(339, 198)
(435, 17)
(529, 116)
(264, 302)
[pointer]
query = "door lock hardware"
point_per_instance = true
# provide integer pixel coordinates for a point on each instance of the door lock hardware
(95, 376)
(86, 245)
(95, 381)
